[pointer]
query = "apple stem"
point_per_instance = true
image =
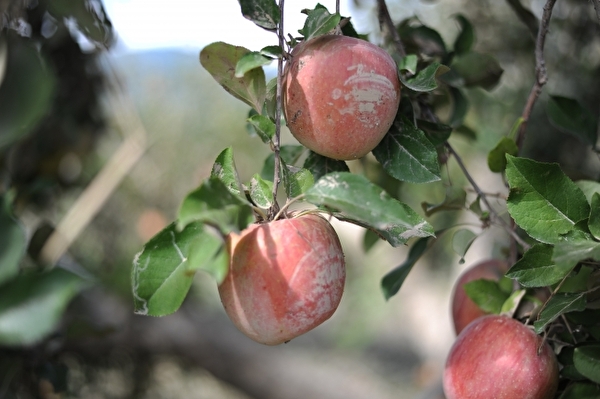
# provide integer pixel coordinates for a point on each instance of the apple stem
(274, 210)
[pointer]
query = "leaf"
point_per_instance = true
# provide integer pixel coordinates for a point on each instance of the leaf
(557, 305)
(581, 390)
(27, 91)
(272, 51)
(486, 294)
(320, 165)
(224, 169)
(466, 37)
(425, 80)
(510, 306)
(355, 199)
(163, 270)
(263, 126)
(319, 22)
(461, 242)
(214, 204)
(13, 242)
(568, 254)
(409, 63)
(580, 282)
(406, 154)
(589, 188)
(497, 156)
(437, 133)
(537, 269)
(89, 20)
(392, 281)
(594, 220)
(370, 239)
(296, 180)
(31, 305)
(587, 361)
(455, 200)
(478, 69)
(459, 108)
(261, 192)
(289, 154)
(264, 13)
(250, 61)
(419, 38)
(543, 201)
(569, 116)
(220, 60)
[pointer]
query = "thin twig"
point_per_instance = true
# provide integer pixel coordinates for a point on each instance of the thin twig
(385, 19)
(483, 197)
(541, 76)
(277, 139)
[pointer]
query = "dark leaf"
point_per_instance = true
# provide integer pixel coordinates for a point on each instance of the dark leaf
(587, 361)
(497, 156)
(571, 117)
(288, 153)
(557, 305)
(264, 13)
(13, 242)
(319, 165)
(478, 69)
(391, 282)
(466, 37)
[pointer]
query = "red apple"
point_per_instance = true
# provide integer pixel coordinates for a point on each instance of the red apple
(464, 310)
(341, 95)
(285, 278)
(498, 357)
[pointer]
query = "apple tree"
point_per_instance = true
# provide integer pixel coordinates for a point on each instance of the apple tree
(334, 91)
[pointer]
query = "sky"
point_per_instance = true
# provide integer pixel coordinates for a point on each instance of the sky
(192, 24)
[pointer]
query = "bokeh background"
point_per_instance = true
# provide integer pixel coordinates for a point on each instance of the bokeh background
(147, 86)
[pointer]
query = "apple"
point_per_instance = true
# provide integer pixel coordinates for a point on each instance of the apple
(285, 278)
(464, 310)
(341, 95)
(498, 357)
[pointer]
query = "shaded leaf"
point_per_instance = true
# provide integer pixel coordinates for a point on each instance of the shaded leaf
(455, 200)
(478, 69)
(557, 305)
(261, 191)
(355, 199)
(272, 51)
(296, 180)
(461, 242)
(250, 61)
(409, 63)
(587, 361)
(220, 60)
(537, 269)
(370, 239)
(224, 169)
(594, 221)
(214, 204)
(319, 22)
(13, 242)
(406, 154)
(163, 270)
(437, 133)
(589, 188)
(581, 390)
(320, 165)
(568, 254)
(497, 156)
(392, 281)
(31, 305)
(425, 80)
(264, 13)
(579, 282)
(466, 37)
(487, 295)
(543, 201)
(91, 20)
(570, 116)
(460, 106)
(288, 153)
(419, 38)
(263, 126)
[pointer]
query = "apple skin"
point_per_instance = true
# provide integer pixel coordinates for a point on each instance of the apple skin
(341, 95)
(285, 278)
(464, 310)
(496, 357)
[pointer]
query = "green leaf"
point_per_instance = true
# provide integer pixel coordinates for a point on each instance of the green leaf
(511, 305)
(296, 180)
(163, 270)
(392, 281)
(594, 221)
(568, 254)
(355, 199)
(263, 126)
(466, 37)
(460, 106)
(13, 242)
(220, 60)
(478, 69)
(419, 38)
(26, 92)
(264, 13)
(589, 188)
(93, 24)
(406, 154)
(587, 361)
(31, 305)
(486, 294)
(557, 305)
(455, 200)
(319, 22)
(537, 269)
(437, 133)
(569, 116)
(543, 201)
(261, 191)
(214, 204)
(288, 153)
(497, 156)
(250, 61)
(409, 63)
(425, 80)
(461, 242)
(581, 390)
(224, 169)
(272, 51)
(579, 282)
(320, 165)
(370, 239)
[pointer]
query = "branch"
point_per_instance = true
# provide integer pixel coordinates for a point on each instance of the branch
(277, 139)
(386, 20)
(540, 70)
(483, 197)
